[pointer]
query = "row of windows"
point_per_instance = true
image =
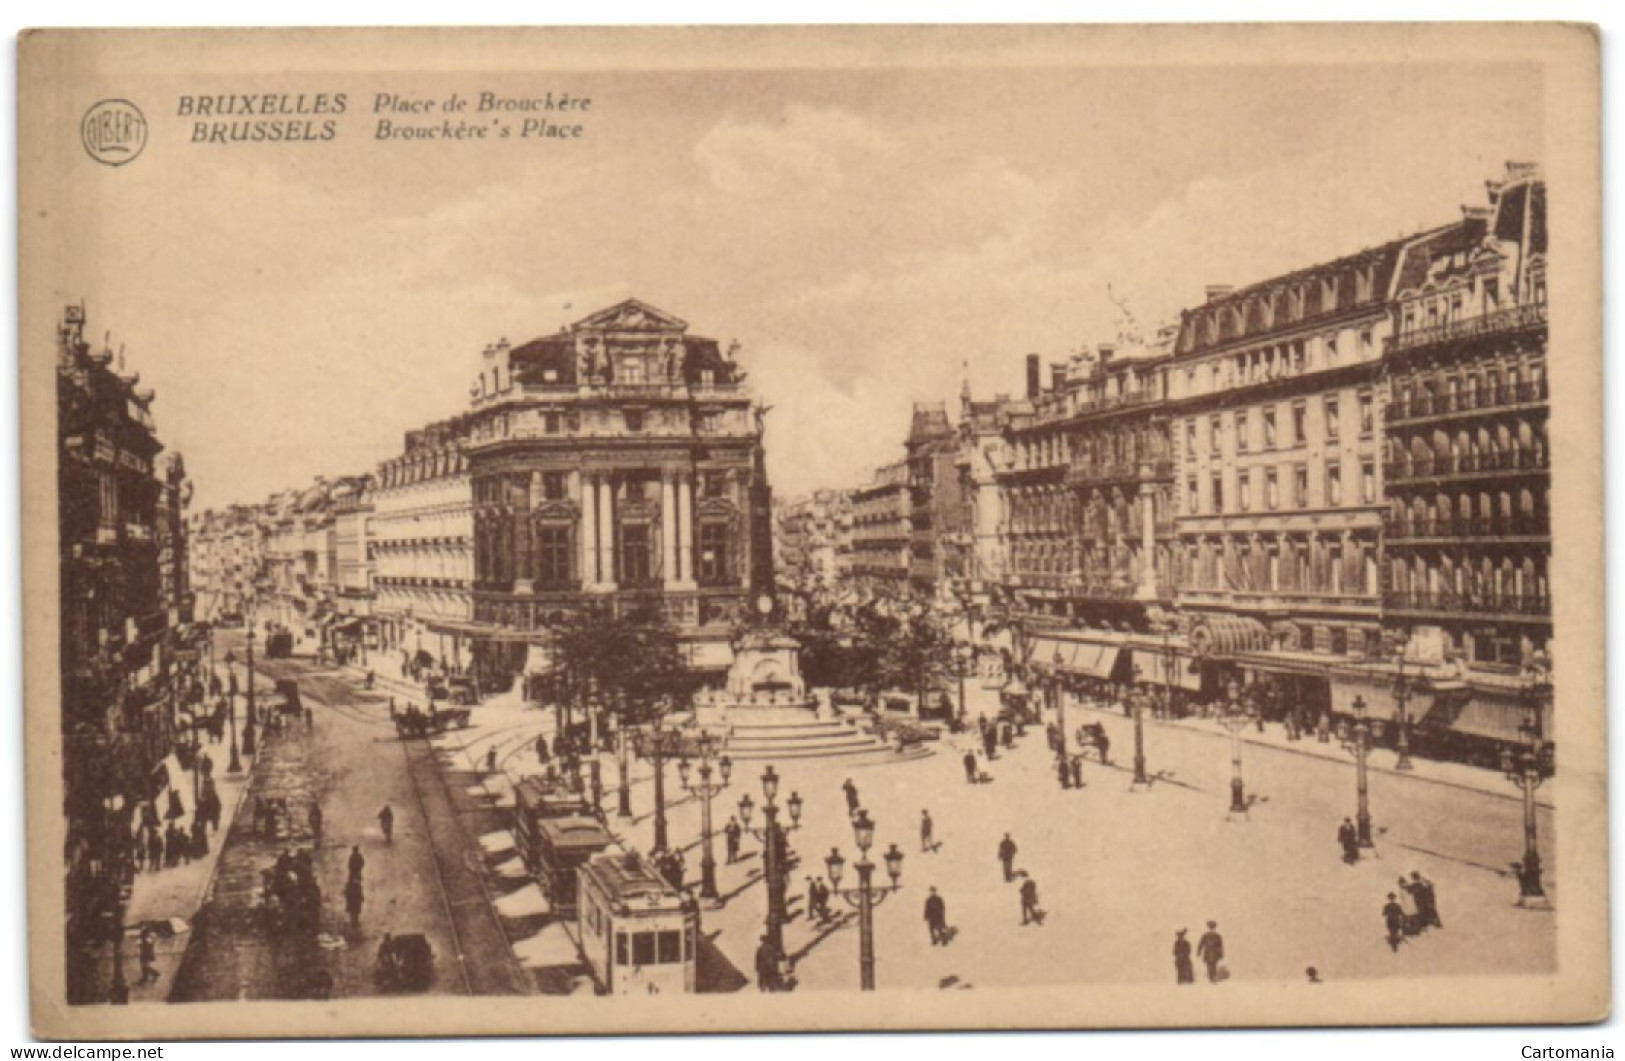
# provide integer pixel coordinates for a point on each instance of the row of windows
(636, 555)
(1246, 498)
(1296, 422)
(645, 487)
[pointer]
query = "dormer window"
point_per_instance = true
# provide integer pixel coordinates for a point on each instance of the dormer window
(632, 371)
(708, 377)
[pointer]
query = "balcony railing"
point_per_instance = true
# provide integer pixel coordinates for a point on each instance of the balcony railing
(1476, 603)
(1466, 464)
(1084, 470)
(1482, 527)
(1423, 406)
(1506, 320)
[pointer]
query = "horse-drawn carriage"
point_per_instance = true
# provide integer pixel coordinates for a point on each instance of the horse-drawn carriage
(415, 722)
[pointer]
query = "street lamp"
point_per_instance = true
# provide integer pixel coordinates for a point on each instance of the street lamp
(1360, 748)
(774, 849)
(1523, 770)
(705, 788)
(1139, 734)
(1235, 720)
(236, 765)
(248, 725)
(1402, 695)
(964, 658)
(660, 744)
(866, 896)
(1059, 700)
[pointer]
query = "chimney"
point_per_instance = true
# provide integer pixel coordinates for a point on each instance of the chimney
(1218, 291)
(1105, 352)
(1057, 375)
(1034, 383)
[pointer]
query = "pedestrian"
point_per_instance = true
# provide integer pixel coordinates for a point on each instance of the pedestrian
(824, 913)
(310, 718)
(990, 746)
(316, 823)
(926, 843)
(731, 833)
(767, 966)
(1052, 736)
(149, 957)
(1077, 771)
(812, 900)
(358, 862)
(1029, 902)
(541, 749)
(1007, 855)
(491, 760)
(1393, 919)
(1349, 837)
(1427, 900)
(386, 822)
(1064, 771)
(970, 767)
(1312, 975)
(1007, 735)
(936, 918)
(140, 853)
(369, 678)
(155, 849)
(199, 845)
(1104, 743)
(1210, 948)
(1184, 971)
(353, 898)
(851, 791)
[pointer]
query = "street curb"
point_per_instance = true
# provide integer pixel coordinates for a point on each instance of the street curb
(1165, 724)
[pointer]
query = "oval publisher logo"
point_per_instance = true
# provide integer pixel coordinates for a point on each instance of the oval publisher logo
(113, 131)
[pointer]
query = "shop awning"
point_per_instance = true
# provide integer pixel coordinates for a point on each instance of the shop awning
(1162, 668)
(538, 660)
(1097, 661)
(1377, 697)
(1226, 635)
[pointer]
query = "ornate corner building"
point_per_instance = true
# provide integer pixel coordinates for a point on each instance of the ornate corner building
(619, 461)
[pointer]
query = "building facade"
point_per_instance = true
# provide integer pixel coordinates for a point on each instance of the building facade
(422, 545)
(617, 461)
(122, 587)
(883, 530)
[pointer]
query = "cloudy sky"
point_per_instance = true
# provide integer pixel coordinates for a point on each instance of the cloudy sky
(865, 235)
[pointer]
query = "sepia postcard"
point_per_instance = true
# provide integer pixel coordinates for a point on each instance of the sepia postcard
(605, 531)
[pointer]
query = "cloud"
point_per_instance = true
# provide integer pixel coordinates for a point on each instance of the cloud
(812, 150)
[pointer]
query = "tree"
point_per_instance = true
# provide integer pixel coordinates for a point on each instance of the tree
(632, 662)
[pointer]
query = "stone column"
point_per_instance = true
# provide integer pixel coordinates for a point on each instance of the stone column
(588, 495)
(606, 532)
(685, 530)
(668, 529)
(1148, 536)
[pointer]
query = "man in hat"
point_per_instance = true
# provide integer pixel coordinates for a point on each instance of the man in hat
(1210, 948)
(1349, 838)
(1393, 919)
(731, 833)
(1029, 902)
(970, 767)
(767, 966)
(1007, 856)
(936, 918)
(358, 862)
(927, 844)
(1427, 901)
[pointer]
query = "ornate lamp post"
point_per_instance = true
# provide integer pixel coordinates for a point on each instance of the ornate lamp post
(964, 660)
(1402, 695)
(659, 745)
(705, 788)
(1059, 700)
(1360, 748)
(1140, 777)
(248, 724)
(774, 849)
(236, 765)
(1235, 720)
(1524, 770)
(867, 895)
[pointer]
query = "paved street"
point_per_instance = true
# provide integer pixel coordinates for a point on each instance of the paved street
(1118, 871)
(352, 764)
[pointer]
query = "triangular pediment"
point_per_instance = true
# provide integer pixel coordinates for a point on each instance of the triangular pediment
(631, 316)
